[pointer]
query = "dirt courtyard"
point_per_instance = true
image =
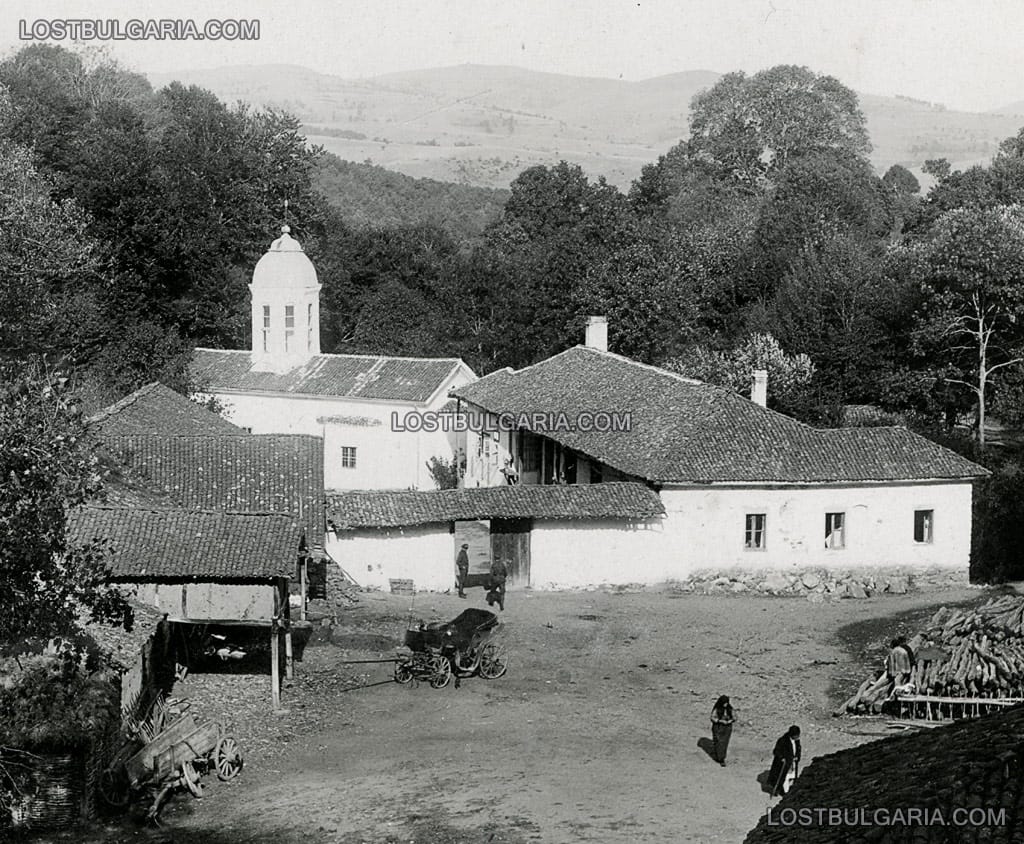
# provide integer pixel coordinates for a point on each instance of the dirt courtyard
(597, 733)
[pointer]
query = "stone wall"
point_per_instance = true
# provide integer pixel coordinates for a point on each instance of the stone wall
(824, 584)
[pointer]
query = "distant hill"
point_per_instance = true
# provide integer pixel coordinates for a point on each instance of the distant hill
(482, 125)
(370, 195)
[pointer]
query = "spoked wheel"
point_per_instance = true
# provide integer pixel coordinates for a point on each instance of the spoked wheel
(190, 778)
(227, 759)
(114, 787)
(493, 662)
(403, 672)
(441, 672)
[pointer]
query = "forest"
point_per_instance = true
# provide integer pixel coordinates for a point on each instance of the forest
(132, 219)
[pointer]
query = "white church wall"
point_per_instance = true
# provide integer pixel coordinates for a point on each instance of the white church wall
(384, 458)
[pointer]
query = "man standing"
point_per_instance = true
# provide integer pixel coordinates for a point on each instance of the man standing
(496, 595)
(462, 563)
(785, 761)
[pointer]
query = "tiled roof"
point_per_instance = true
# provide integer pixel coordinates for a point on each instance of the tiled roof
(197, 545)
(125, 645)
(583, 501)
(683, 431)
(156, 409)
(971, 763)
(349, 376)
(268, 473)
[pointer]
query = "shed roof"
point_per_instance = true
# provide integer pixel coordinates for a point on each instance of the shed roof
(684, 431)
(263, 473)
(339, 376)
(156, 409)
(977, 762)
(375, 509)
(175, 544)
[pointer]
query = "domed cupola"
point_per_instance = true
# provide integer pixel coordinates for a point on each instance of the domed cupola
(285, 307)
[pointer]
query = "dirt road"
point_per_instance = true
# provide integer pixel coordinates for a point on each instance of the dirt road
(596, 734)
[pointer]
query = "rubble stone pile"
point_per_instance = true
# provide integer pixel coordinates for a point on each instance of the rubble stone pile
(819, 585)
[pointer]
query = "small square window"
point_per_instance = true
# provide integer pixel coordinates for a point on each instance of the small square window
(924, 521)
(754, 539)
(348, 457)
(835, 530)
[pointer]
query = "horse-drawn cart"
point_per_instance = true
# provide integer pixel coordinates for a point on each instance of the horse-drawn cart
(180, 753)
(463, 647)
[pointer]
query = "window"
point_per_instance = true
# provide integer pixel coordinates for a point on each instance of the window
(309, 328)
(348, 457)
(835, 530)
(247, 430)
(923, 521)
(289, 327)
(266, 328)
(755, 531)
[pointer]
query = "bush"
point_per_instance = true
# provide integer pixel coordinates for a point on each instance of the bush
(52, 702)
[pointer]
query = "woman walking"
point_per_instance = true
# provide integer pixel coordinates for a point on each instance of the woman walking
(722, 719)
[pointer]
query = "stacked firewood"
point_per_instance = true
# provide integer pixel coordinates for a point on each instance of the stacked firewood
(974, 653)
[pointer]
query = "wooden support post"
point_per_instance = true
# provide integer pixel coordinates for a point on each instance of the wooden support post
(275, 668)
(288, 670)
(303, 586)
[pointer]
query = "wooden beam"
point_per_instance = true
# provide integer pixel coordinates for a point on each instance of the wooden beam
(303, 582)
(275, 669)
(288, 669)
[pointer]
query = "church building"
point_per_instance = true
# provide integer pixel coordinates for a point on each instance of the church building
(364, 407)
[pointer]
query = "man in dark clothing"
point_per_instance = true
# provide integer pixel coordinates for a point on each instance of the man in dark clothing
(496, 595)
(785, 761)
(462, 563)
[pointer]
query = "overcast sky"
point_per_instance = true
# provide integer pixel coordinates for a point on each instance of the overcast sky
(965, 53)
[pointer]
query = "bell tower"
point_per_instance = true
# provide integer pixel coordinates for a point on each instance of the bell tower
(285, 307)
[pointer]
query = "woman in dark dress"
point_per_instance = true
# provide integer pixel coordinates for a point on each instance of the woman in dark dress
(722, 719)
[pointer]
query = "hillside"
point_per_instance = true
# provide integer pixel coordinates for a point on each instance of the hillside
(482, 125)
(370, 195)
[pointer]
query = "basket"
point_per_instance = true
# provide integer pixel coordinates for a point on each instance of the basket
(59, 783)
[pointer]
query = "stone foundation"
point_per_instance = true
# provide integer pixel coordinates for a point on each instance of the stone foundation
(823, 584)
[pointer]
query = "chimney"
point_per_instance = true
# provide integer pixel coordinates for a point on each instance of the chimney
(759, 387)
(597, 333)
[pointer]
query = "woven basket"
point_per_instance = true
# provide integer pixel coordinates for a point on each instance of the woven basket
(56, 801)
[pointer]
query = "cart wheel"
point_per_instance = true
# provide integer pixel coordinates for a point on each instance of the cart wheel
(441, 672)
(190, 777)
(114, 787)
(403, 672)
(227, 758)
(492, 662)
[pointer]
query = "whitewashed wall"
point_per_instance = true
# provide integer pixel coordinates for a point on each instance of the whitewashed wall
(575, 553)
(385, 458)
(423, 554)
(709, 525)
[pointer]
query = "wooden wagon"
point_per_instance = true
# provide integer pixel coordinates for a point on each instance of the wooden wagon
(177, 757)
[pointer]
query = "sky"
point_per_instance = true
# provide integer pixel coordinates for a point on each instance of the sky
(964, 53)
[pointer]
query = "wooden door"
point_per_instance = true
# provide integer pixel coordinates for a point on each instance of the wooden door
(510, 541)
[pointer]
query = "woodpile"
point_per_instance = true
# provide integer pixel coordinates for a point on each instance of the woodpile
(962, 653)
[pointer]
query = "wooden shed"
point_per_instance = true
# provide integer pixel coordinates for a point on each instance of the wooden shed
(202, 566)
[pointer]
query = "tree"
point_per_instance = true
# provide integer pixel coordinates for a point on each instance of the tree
(555, 227)
(648, 295)
(900, 180)
(972, 271)
(754, 126)
(789, 376)
(47, 468)
(48, 261)
(838, 305)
